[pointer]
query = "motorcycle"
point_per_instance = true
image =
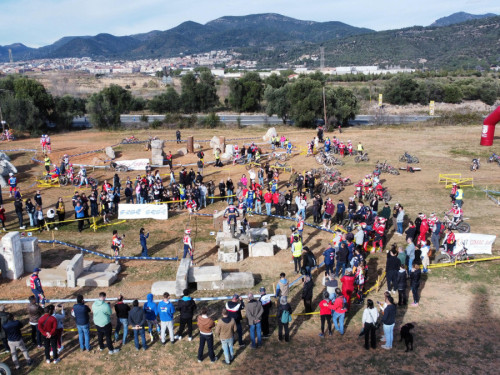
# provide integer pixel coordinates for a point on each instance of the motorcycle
(361, 157)
(494, 158)
(475, 165)
(407, 158)
(461, 226)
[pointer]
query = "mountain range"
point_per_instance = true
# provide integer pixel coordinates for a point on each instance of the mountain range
(274, 40)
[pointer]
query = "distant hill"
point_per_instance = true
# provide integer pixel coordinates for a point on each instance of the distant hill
(190, 37)
(460, 17)
(456, 46)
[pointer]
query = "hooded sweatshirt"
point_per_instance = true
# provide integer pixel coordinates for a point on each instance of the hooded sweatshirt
(401, 282)
(186, 306)
(102, 313)
(150, 308)
(166, 311)
(136, 317)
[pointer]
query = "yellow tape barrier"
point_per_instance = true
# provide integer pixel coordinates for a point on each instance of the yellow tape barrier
(454, 264)
(444, 177)
(462, 182)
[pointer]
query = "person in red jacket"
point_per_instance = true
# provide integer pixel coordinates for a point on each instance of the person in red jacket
(268, 199)
(276, 199)
(325, 314)
(424, 228)
(47, 326)
(379, 229)
(348, 286)
(338, 311)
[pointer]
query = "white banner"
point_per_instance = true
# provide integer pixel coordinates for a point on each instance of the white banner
(134, 165)
(143, 211)
(474, 242)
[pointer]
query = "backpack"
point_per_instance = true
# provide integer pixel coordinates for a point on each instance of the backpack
(200, 154)
(286, 317)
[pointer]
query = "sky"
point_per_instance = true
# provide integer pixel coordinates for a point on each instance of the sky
(37, 23)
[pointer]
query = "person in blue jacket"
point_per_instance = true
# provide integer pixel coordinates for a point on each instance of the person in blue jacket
(166, 311)
(151, 310)
(329, 255)
(143, 237)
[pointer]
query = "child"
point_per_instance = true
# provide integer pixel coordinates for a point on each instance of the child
(401, 283)
(360, 282)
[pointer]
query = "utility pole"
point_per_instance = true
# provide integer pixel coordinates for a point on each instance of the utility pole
(324, 106)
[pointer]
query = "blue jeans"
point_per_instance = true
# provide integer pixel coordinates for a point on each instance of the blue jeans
(268, 208)
(227, 347)
(400, 227)
(230, 199)
(203, 201)
(186, 252)
(329, 268)
(340, 265)
(84, 336)
(388, 332)
(258, 207)
(142, 332)
(253, 328)
(122, 322)
(261, 181)
(302, 213)
(340, 325)
(410, 264)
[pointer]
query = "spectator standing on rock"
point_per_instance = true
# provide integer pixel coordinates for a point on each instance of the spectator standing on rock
(205, 325)
(234, 308)
(137, 320)
(284, 317)
(81, 313)
(14, 338)
(102, 319)
(254, 313)
(186, 306)
(225, 329)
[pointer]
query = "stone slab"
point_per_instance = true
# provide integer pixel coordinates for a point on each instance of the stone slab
(222, 236)
(229, 245)
(261, 249)
(105, 267)
(96, 279)
(86, 264)
(110, 153)
(207, 273)
(160, 287)
(4, 156)
(258, 234)
(215, 142)
(230, 280)
(53, 277)
(74, 269)
(197, 146)
(181, 279)
(12, 256)
(280, 241)
(232, 257)
(32, 256)
(157, 144)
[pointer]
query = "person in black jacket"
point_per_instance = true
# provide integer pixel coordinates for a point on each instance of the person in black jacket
(308, 261)
(18, 204)
(122, 311)
(317, 205)
(401, 284)
(81, 313)
(12, 330)
(388, 320)
(307, 293)
(391, 268)
(129, 194)
(186, 306)
(415, 283)
(342, 255)
(234, 308)
(411, 232)
(283, 306)
(137, 319)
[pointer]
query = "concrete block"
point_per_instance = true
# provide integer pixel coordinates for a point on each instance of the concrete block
(32, 257)
(215, 142)
(231, 280)
(13, 264)
(105, 267)
(3, 183)
(86, 264)
(197, 146)
(74, 269)
(110, 153)
(53, 277)
(182, 151)
(231, 257)
(226, 156)
(160, 287)
(229, 245)
(222, 236)
(280, 241)
(4, 156)
(99, 279)
(261, 249)
(181, 279)
(271, 132)
(157, 144)
(207, 273)
(258, 234)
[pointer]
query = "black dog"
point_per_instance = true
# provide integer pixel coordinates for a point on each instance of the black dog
(407, 336)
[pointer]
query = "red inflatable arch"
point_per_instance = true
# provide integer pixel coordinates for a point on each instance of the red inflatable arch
(489, 123)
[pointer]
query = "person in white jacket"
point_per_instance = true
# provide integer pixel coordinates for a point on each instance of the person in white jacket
(370, 318)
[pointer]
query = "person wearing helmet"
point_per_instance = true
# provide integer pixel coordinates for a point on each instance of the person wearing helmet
(457, 212)
(379, 229)
(424, 228)
(349, 148)
(328, 144)
(55, 172)
(293, 234)
(43, 143)
(188, 246)
(47, 141)
(12, 184)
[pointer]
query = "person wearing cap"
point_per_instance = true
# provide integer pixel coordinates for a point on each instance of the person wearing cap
(36, 287)
(254, 313)
(12, 184)
(234, 308)
(188, 246)
(283, 326)
(424, 228)
(265, 300)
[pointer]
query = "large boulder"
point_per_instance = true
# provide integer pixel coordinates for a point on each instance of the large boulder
(215, 142)
(271, 132)
(4, 156)
(3, 183)
(7, 167)
(182, 151)
(110, 153)
(197, 146)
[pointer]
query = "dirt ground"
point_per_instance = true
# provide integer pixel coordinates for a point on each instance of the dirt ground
(456, 323)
